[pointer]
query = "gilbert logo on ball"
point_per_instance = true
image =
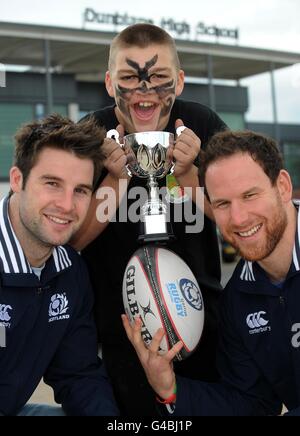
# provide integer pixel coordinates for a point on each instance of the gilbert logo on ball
(160, 288)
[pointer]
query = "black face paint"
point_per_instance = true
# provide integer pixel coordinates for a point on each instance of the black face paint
(165, 91)
(166, 109)
(142, 73)
(162, 90)
(121, 103)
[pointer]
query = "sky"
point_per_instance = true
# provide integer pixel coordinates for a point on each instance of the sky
(270, 24)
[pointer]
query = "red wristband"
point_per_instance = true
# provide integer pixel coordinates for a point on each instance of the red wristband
(171, 399)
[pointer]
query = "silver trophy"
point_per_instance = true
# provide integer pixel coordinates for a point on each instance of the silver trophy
(149, 156)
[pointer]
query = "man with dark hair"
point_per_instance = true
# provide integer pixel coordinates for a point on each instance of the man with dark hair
(144, 78)
(258, 358)
(63, 134)
(46, 322)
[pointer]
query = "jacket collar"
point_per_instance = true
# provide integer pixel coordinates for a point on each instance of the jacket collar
(252, 272)
(296, 251)
(12, 256)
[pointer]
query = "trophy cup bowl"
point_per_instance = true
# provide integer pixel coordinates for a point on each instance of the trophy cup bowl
(149, 154)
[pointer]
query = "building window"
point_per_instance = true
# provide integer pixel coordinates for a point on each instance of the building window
(82, 114)
(12, 115)
(234, 120)
(60, 109)
(292, 161)
(40, 110)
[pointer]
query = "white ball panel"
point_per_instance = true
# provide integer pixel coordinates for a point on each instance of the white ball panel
(157, 277)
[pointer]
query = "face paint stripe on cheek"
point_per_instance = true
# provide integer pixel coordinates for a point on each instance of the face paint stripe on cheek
(162, 90)
(165, 89)
(123, 96)
(121, 91)
(167, 106)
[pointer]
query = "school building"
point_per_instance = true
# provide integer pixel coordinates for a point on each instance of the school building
(62, 70)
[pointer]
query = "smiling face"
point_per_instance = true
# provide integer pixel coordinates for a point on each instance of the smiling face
(250, 212)
(144, 83)
(55, 199)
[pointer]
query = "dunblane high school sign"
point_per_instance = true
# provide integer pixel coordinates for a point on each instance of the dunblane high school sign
(178, 28)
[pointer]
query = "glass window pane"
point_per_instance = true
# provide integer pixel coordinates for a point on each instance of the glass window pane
(292, 162)
(234, 120)
(12, 115)
(60, 109)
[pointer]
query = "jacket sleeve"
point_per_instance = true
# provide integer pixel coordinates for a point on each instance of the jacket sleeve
(76, 374)
(243, 391)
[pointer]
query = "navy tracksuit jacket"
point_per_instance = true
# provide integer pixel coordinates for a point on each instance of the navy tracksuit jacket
(259, 353)
(47, 329)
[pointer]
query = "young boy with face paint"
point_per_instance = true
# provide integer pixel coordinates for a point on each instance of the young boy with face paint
(144, 78)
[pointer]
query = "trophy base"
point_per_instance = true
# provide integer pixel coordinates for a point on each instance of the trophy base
(155, 228)
(155, 237)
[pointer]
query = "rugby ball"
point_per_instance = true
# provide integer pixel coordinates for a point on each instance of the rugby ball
(160, 288)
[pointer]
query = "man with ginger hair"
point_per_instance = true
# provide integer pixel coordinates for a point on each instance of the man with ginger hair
(258, 357)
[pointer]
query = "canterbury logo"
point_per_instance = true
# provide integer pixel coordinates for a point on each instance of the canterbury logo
(255, 320)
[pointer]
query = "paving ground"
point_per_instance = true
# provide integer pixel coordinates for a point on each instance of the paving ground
(44, 394)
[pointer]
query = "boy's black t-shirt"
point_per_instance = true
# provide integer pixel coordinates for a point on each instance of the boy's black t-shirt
(108, 255)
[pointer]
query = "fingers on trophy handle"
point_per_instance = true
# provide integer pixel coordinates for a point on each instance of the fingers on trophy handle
(179, 130)
(114, 134)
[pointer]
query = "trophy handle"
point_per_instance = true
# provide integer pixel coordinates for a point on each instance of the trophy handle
(114, 134)
(179, 130)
